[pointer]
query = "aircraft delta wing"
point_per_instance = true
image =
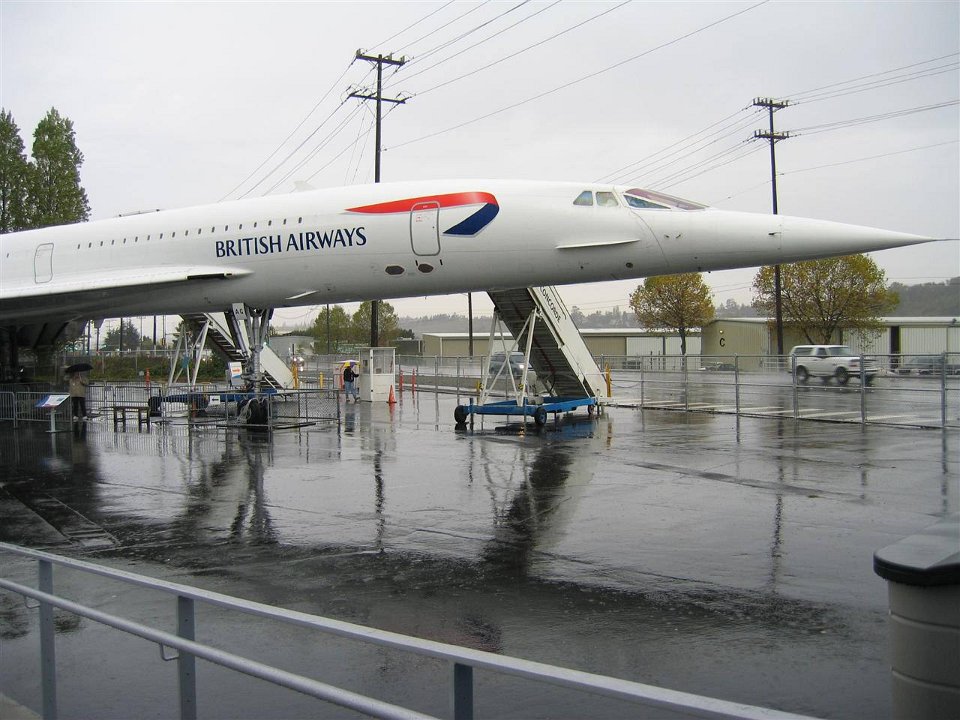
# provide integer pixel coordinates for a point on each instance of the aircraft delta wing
(387, 240)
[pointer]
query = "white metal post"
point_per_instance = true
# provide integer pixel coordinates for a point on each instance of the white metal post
(48, 649)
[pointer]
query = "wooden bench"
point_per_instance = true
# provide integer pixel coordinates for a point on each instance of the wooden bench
(120, 416)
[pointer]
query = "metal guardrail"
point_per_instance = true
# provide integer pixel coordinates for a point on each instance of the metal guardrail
(8, 407)
(765, 386)
(168, 403)
(463, 660)
(923, 390)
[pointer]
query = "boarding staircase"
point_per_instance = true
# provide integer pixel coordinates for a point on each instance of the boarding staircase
(558, 354)
(231, 340)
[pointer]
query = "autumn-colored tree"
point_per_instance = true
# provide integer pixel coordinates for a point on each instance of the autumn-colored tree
(820, 297)
(679, 302)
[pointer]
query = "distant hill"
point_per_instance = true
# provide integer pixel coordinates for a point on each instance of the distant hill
(936, 299)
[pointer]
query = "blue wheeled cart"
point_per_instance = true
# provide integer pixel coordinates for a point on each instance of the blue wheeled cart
(538, 409)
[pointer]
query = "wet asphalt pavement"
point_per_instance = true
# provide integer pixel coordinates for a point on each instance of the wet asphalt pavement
(724, 558)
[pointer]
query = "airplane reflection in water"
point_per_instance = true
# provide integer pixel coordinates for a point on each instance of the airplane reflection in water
(346, 493)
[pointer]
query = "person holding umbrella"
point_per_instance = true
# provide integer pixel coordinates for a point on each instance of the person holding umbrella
(78, 390)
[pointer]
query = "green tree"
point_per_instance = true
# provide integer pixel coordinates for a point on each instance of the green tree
(821, 297)
(340, 330)
(13, 176)
(56, 196)
(131, 337)
(387, 323)
(679, 302)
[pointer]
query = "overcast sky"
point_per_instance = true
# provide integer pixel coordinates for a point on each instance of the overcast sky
(178, 104)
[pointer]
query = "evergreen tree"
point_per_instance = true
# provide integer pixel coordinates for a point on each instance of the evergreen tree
(336, 319)
(126, 333)
(56, 196)
(13, 176)
(387, 321)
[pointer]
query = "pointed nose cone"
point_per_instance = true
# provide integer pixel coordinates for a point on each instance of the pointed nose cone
(805, 239)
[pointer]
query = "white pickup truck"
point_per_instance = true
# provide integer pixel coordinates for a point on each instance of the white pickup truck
(830, 361)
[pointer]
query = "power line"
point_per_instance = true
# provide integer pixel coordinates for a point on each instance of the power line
(522, 50)
(446, 24)
(585, 77)
(336, 157)
(286, 139)
(871, 157)
(452, 41)
(317, 148)
(887, 82)
(416, 22)
(333, 133)
(842, 162)
(481, 42)
(812, 95)
(620, 172)
(732, 129)
(840, 124)
(747, 151)
(800, 94)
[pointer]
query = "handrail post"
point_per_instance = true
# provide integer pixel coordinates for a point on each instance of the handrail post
(863, 391)
(643, 362)
(48, 650)
(796, 390)
(462, 699)
(186, 663)
(943, 391)
(736, 382)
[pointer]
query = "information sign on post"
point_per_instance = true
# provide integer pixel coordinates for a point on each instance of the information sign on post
(51, 403)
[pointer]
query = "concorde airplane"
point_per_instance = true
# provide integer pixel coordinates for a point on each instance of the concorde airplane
(387, 240)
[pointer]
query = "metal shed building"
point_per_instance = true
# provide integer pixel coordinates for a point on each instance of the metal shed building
(899, 336)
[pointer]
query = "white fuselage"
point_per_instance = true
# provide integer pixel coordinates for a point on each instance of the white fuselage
(387, 241)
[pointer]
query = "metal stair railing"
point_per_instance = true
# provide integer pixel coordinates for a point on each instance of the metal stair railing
(559, 355)
(464, 660)
(234, 344)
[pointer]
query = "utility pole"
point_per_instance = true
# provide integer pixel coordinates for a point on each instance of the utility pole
(380, 61)
(773, 105)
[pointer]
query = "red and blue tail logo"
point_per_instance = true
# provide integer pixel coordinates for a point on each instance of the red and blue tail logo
(469, 226)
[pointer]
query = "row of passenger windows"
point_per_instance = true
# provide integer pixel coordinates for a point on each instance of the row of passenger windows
(186, 233)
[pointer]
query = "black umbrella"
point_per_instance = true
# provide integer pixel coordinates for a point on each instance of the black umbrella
(78, 367)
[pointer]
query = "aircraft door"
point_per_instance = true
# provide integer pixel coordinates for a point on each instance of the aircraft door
(425, 228)
(43, 263)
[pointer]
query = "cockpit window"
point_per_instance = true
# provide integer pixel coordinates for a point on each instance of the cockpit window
(607, 199)
(638, 198)
(638, 202)
(584, 198)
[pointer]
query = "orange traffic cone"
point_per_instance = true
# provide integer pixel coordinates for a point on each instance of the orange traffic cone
(391, 399)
